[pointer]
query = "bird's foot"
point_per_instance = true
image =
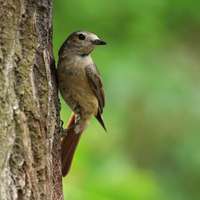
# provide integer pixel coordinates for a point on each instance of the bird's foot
(62, 130)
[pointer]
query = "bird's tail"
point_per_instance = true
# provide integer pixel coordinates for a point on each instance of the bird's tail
(69, 144)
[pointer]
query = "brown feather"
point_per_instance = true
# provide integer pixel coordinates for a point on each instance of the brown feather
(69, 144)
(100, 119)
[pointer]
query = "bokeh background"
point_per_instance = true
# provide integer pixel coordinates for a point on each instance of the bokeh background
(150, 70)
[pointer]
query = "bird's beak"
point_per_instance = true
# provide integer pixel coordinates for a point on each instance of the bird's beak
(98, 42)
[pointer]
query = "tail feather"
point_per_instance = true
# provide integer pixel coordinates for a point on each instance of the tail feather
(69, 144)
(70, 141)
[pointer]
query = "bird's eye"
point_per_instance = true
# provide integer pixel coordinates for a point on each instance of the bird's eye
(81, 37)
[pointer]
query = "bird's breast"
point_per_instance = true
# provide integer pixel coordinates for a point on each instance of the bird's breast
(74, 84)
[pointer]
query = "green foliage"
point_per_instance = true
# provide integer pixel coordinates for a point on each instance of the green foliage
(150, 69)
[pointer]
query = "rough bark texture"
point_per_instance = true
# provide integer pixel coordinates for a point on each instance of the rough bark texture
(29, 108)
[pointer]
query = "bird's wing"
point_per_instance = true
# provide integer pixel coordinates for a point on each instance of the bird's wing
(97, 85)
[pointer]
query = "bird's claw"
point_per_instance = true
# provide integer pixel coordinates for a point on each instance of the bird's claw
(62, 130)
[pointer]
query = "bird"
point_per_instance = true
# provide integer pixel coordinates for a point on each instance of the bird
(81, 87)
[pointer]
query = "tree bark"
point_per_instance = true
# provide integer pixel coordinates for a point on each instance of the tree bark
(30, 166)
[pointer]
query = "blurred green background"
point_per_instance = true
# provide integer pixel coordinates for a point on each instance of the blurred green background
(150, 70)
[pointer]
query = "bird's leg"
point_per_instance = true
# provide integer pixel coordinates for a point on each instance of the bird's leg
(63, 131)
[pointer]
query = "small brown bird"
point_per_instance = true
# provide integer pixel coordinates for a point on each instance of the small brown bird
(81, 87)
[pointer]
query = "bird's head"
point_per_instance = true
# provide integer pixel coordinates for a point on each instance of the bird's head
(81, 42)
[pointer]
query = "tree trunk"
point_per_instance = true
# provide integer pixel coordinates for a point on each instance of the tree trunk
(30, 166)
